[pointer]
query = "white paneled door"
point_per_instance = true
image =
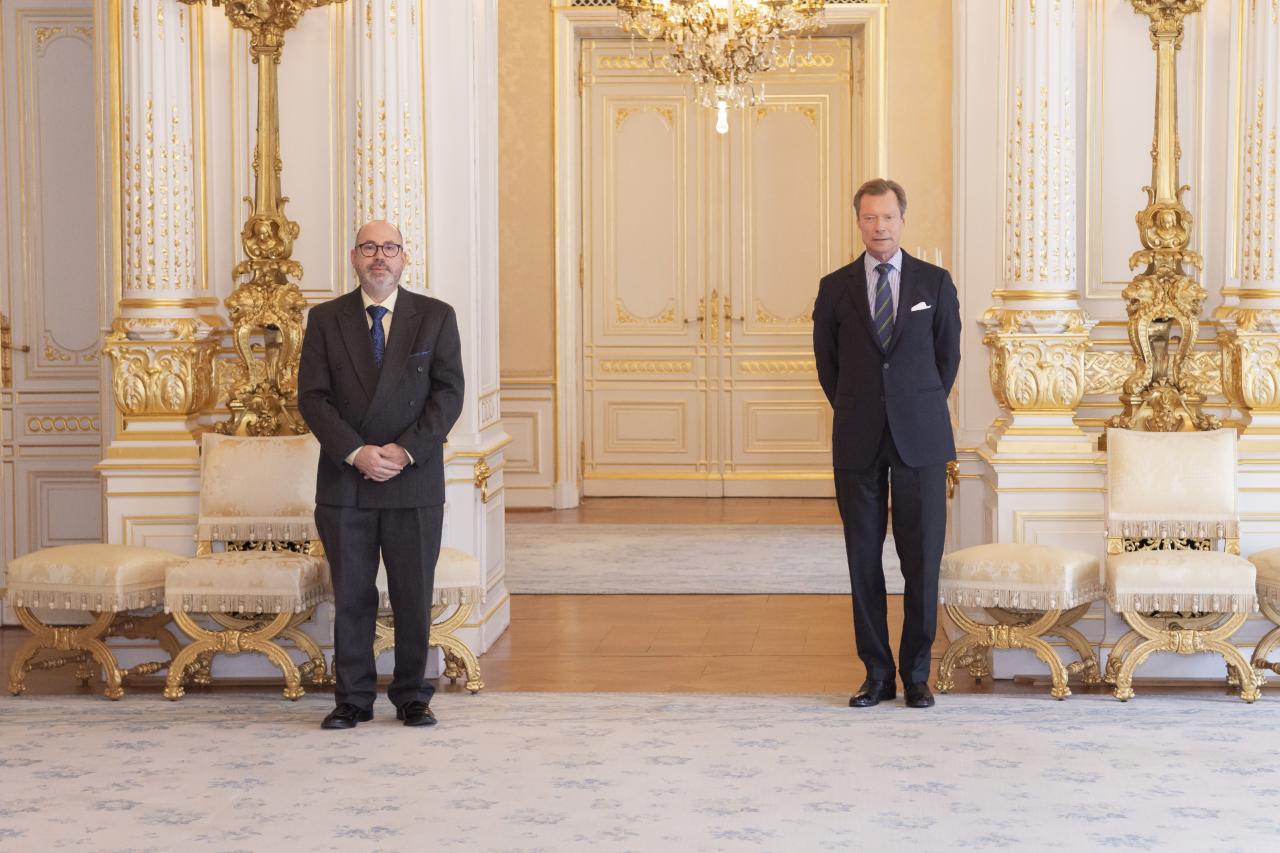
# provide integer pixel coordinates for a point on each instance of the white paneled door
(50, 430)
(702, 254)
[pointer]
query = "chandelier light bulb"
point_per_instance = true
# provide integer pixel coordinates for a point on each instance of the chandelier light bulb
(722, 117)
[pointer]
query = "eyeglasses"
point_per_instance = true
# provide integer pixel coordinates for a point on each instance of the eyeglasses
(369, 249)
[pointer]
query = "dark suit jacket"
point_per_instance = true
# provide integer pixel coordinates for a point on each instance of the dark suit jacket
(907, 386)
(413, 400)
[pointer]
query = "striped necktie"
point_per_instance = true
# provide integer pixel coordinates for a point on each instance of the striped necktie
(882, 314)
(376, 333)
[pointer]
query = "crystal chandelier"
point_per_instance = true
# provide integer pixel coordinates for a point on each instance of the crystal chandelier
(722, 43)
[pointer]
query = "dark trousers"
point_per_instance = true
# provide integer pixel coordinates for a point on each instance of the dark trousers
(919, 531)
(409, 540)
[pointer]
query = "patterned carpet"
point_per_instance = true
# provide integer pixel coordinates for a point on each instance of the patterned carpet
(603, 773)
(689, 559)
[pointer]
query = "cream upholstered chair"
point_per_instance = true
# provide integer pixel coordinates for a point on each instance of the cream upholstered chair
(115, 584)
(1170, 497)
(257, 502)
(1028, 591)
(459, 583)
(1267, 564)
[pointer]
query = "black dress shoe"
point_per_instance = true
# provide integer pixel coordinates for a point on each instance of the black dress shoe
(416, 714)
(918, 695)
(872, 692)
(345, 716)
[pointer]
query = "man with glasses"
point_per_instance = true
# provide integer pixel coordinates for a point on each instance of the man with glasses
(380, 385)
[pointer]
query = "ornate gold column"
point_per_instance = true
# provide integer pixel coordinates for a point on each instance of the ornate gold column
(390, 170)
(1036, 331)
(164, 338)
(266, 306)
(1250, 317)
(1162, 394)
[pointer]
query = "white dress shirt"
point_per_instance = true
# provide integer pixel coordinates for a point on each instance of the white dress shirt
(389, 303)
(873, 278)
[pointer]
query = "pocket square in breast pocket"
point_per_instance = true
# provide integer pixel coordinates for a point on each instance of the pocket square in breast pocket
(921, 306)
(419, 354)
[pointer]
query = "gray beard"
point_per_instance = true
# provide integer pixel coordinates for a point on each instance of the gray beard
(365, 282)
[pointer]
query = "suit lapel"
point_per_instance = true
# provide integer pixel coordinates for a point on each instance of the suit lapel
(906, 298)
(355, 334)
(404, 325)
(858, 287)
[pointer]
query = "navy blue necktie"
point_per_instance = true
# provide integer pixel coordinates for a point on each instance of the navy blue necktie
(882, 313)
(376, 334)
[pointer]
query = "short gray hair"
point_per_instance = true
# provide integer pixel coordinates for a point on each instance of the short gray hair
(881, 186)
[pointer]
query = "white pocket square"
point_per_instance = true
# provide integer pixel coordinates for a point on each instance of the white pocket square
(921, 306)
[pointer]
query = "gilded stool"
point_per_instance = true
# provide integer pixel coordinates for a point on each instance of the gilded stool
(459, 583)
(111, 583)
(1029, 591)
(1171, 497)
(1267, 564)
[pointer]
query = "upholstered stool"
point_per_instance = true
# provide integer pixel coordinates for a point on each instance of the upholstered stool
(106, 581)
(1030, 591)
(1267, 564)
(459, 583)
(257, 502)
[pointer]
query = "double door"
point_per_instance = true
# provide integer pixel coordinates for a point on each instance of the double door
(702, 255)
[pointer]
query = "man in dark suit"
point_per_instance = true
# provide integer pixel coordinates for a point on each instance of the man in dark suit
(886, 336)
(380, 384)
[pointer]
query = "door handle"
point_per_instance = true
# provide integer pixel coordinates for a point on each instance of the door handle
(7, 347)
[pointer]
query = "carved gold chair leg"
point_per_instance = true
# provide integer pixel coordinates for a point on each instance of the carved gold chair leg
(459, 660)
(442, 635)
(200, 672)
(1165, 634)
(1159, 623)
(260, 638)
(978, 663)
(1268, 643)
(961, 650)
(1087, 664)
(315, 668)
(453, 667)
(1011, 631)
(384, 634)
(84, 641)
(151, 627)
(84, 670)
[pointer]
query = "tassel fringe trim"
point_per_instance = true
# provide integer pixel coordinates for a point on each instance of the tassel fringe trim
(1269, 591)
(1184, 602)
(1018, 599)
(79, 598)
(1199, 528)
(451, 596)
(233, 602)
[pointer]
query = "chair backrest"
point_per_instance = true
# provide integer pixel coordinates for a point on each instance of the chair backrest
(258, 488)
(1171, 484)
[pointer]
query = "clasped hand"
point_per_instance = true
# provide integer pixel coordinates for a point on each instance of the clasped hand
(381, 463)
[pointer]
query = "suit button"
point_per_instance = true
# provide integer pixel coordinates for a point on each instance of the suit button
(886, 365)
(411, 404)
(419, 369)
